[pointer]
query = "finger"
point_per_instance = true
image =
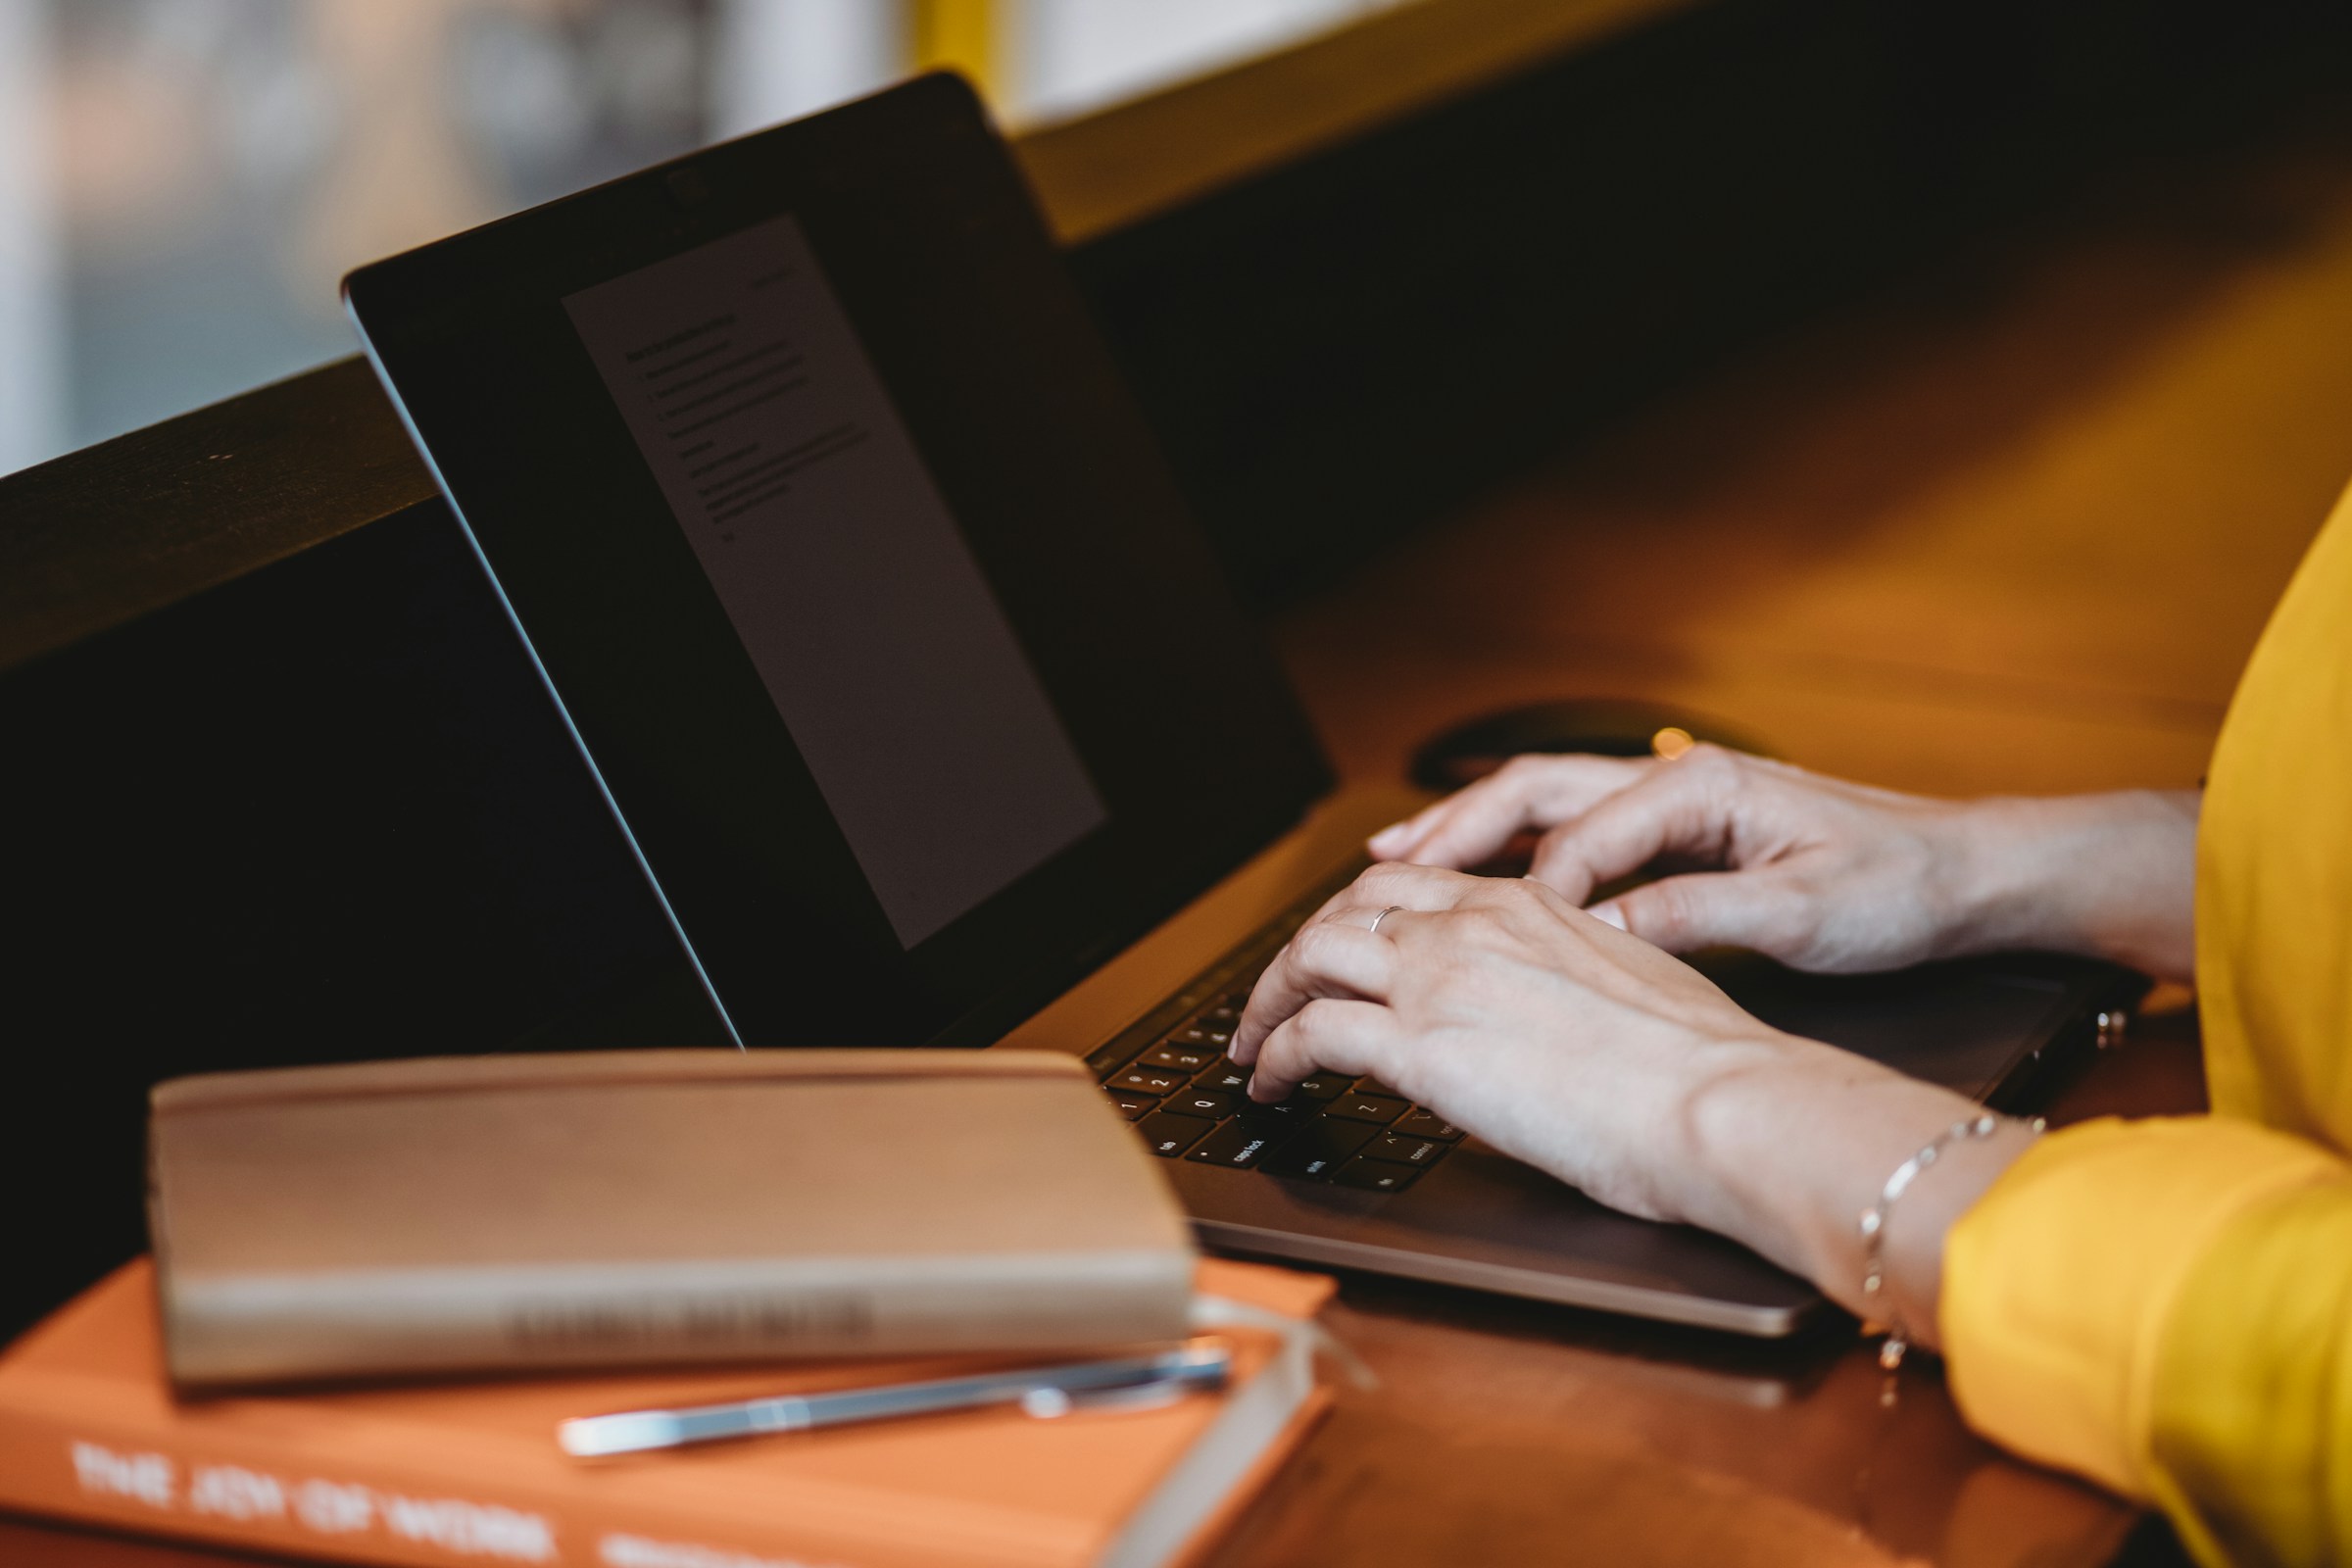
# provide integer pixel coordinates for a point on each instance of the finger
(1755, 909)
(1400, 884)
(1284, 988)
(1680, 808)
(1331, 959)
(1527, 793)
(1380, 886)
(1355, 1038)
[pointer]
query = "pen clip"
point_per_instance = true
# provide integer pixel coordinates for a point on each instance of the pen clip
(1132, 1382)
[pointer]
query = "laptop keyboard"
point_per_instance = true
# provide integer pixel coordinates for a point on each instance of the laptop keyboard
(1169, 1075)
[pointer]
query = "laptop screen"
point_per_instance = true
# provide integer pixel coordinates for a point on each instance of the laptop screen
(893, 664)
(853, 564)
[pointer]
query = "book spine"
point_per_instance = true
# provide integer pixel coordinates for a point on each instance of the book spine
(224, 1332)
(163, 1484)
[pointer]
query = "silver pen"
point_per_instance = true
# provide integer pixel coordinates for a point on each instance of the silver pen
(1043, 1390)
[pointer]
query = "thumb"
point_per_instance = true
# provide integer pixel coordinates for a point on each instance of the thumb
(1712, 910)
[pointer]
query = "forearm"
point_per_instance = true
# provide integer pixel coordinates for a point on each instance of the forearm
(2111, 876)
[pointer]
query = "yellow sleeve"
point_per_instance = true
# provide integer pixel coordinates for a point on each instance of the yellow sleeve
(2166, 1307)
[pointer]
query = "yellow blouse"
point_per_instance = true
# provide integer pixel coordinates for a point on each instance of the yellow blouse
(2165, 1305)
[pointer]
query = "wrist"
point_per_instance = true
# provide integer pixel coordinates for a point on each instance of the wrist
(1792, 1145)
(2108, 876)
(1770, 1134)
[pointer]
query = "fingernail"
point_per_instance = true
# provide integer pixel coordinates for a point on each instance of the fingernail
(1393, 837)
(1252, 1091)
(1608, 913)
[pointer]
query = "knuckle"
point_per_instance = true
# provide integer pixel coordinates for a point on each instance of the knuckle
(1315, 944)
(1313, 1022)
(1542, 899)
(1666, 912)
(1713, 762)
(1515, 893)
(1795, 916)
(1499, 910)
(1520, 779)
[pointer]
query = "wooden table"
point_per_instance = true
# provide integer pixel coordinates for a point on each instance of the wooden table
(2013, 528)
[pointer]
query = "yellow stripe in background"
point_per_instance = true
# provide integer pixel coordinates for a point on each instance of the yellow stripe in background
(961, 36)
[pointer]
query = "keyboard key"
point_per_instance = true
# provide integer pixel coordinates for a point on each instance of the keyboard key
(1224, 1077)
(1181, 1058)
(1373, 1086)
(1224, 1015)
(1170, 1136)
(1359, 1107)
(1105, 1060)
(1375, 1175)
(1200, 1102)
(1149, 1080)
(1132, 1104)
(1404, 1150)
(1324, 1086)
(1198, 1037)
(1292, 1109)
(1321, 1147)
(1419, 1123)
(1240, 1144)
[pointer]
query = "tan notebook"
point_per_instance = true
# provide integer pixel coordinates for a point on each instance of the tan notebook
(468, 1475)
(485, 1213)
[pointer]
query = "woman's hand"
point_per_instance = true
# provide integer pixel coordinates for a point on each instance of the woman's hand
(1593, 1055)
(1570, 1038)
(1831, 876)
(1551, 1034)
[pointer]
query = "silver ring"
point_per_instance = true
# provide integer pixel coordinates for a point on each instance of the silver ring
(1374, 927)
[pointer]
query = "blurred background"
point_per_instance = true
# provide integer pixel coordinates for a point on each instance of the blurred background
(182, 181)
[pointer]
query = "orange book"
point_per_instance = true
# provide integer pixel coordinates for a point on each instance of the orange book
(470, 1473)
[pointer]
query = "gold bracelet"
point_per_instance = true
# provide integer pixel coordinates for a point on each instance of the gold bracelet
(1874, 1229)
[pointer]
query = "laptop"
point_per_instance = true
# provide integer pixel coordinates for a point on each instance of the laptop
(880, 622)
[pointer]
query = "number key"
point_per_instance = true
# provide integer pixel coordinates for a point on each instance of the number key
(1130, 1103)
